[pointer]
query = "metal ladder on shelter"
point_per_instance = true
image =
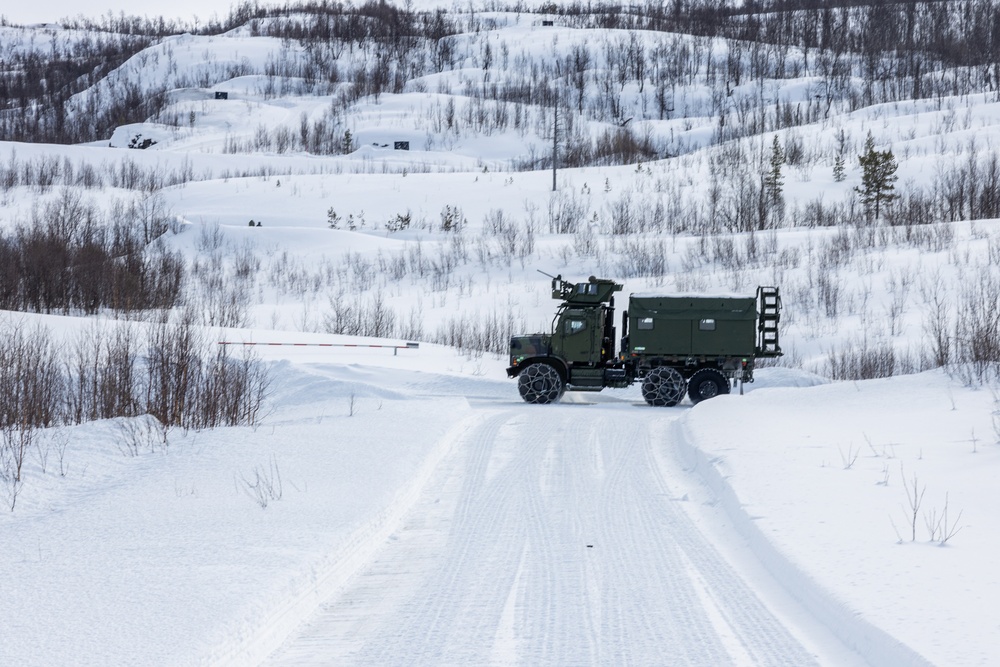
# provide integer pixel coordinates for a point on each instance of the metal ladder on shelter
(769, 310)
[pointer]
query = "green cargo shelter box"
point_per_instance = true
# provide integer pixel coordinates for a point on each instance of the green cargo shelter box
(692, 326)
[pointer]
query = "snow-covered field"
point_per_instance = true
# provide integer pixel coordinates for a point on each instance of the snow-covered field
(446, 522)
(404, 506)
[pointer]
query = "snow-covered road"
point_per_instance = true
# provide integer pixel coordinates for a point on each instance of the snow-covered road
(431, 518)
(550, 536)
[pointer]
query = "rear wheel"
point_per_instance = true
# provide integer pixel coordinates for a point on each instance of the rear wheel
(540, 383)
(663, 387)
(707, 383)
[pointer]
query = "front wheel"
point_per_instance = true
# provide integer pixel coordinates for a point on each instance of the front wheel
(707, 383)
(663, 387)
(540, 383)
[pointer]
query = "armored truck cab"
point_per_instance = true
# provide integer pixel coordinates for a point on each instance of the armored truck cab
(699, 345)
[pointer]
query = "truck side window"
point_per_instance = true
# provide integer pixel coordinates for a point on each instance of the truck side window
(645, 322)
(575, 326)
(707, 325)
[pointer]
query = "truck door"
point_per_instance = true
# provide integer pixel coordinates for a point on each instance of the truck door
(580, 337)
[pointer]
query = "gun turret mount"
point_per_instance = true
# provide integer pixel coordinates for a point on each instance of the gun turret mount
(593, 292)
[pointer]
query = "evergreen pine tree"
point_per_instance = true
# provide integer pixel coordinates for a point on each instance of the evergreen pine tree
(773, 182)
(838, 169)
(878, 178)
(332, 219)
(840, 161)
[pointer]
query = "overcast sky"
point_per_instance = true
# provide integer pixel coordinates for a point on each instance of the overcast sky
(44, 11)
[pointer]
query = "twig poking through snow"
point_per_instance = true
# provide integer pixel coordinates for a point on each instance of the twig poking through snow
(263, 484)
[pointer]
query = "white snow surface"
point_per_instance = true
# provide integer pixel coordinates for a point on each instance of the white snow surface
(427, 516)
(422, 528)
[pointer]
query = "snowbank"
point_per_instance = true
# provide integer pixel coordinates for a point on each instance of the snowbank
(814, 480)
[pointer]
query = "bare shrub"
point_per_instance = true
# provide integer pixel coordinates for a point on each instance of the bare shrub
(210, 238)
(862, 360)
(233, 391)
(223, 300)
(585, 239)
(977, 330)
(102, 374)
(504, 233)
(936, 322)
(60, 439)
(940, 526)
(43, 447)
(149, 214)
(622, 216)
(914, 497)
(413, 327)
(142, 434)
(898, 284)
(246, 263)
(360, 318)
(850, 457)
(838, 249)
(14, 443)
(565, 213)
(478, 334)
(29, 375)
(816, 213)
(262, 484)
(188, 387)
(829, 293)
(172, 369)
(69, 258)
(641, 258)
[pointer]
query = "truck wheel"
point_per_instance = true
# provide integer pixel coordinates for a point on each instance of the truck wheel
(540, 383)
(707, 383)
(663, 387)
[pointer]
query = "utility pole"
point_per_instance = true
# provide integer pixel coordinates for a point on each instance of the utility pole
(555, 142)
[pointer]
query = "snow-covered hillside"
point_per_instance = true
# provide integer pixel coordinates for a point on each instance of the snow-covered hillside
(378, 175)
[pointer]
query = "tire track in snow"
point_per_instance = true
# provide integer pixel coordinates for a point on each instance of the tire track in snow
(442, 578)
(484, 545)
(761, 637)
(548, 538)
(555, 619)
(658, 607)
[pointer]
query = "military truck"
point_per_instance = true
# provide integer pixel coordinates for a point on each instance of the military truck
(699, 345)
